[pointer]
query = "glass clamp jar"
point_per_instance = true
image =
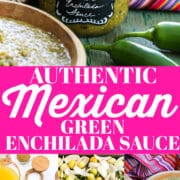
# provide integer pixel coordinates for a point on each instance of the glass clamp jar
(88, 17)
(8, 169)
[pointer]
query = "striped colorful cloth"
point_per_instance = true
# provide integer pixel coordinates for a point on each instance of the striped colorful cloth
(142, 166)
(171, 5)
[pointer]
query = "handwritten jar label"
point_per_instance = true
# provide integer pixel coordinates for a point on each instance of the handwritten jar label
(85, 11)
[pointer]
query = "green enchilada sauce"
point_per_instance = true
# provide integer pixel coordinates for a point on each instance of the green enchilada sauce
(88, 17)
(22, 44)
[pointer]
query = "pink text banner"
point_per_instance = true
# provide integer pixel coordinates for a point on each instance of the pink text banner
(89, 110)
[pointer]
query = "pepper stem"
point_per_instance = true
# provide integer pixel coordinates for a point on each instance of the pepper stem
(148, 34)
(100, 47)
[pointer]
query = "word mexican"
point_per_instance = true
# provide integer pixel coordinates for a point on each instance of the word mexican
(98, 105)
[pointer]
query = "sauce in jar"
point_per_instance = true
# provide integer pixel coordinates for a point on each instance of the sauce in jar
(88, 17)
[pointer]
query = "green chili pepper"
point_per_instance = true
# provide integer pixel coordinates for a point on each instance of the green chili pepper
(129, 53)
(165, 35)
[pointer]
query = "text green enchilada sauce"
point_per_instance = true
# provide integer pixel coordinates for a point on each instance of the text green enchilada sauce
(88, 17)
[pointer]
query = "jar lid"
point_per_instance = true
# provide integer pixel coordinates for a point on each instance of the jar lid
(40, 163)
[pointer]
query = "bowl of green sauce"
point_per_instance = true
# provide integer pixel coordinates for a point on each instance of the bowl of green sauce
(29, 36)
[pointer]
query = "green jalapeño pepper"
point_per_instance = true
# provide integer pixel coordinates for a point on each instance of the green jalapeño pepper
(129, 53)
(165, 35)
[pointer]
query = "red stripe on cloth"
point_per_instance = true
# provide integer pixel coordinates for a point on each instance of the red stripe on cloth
(127, 167)
(177, 7)
(171, 159)
(158, 4)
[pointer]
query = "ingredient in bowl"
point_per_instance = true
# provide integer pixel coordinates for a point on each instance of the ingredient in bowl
(23, 158)
(129, 53)
(165, 35)
(39, 165)
(23, 44)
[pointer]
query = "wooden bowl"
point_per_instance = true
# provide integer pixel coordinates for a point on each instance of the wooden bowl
(48, 23)
(167, 175)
